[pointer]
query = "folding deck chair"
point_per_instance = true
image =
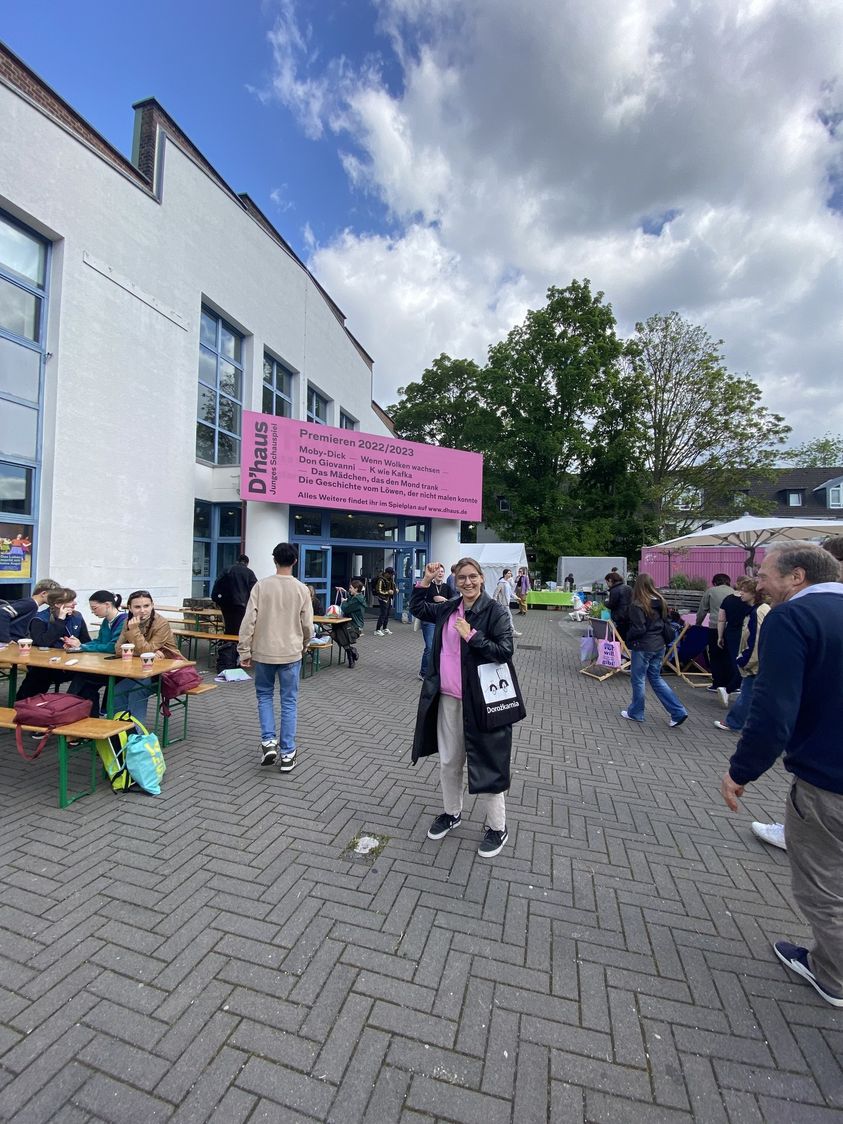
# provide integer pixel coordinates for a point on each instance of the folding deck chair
(605, 630)
(683, 655)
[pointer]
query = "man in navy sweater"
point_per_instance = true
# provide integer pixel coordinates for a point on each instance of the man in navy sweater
(797, 710)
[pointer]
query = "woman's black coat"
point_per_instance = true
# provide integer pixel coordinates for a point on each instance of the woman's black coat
(488, 751)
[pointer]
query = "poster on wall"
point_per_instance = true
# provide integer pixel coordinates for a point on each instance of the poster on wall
(288, 461)
(15, 552)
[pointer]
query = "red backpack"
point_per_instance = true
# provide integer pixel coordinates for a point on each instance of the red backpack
(175, 683)
(48, 710)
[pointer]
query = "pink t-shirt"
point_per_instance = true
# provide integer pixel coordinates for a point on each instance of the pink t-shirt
(450, 667)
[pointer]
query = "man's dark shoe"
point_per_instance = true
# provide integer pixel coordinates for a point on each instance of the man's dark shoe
(492, 844)
(269, 751)
(287, 762)
(443, 824)
(795, 957)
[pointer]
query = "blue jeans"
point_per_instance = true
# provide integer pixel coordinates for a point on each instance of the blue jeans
(133, 695)
(427, 630)
(288, 675)
(739, 711)
(647, 666)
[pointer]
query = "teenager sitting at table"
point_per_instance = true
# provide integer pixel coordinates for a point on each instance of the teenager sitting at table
(149, 633)
(105, 606)
(17, 616)
(49, 628)
(354, 606)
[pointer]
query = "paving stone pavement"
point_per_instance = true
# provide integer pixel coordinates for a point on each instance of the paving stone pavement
(215, 954)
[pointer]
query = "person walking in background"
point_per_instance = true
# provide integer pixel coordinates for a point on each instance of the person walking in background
(649, 633)
(835, 549)
(730, 618)
(569, 583)
(437, 592)
(747, 661)
(522, 588)
(385, 590)
(618, 602)
(797, 711)
(710, 603)
(231, 592)
(469, 630)
(275, 633)
(503, 595)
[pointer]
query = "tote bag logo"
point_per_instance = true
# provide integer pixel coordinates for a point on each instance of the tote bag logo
(497, 686)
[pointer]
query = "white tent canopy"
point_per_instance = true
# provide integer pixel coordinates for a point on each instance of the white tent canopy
(495, 557)
(751, 531)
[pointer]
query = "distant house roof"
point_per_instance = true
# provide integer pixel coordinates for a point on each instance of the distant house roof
(834, 482)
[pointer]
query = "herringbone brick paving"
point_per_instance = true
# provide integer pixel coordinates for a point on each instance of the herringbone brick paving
(217, 954)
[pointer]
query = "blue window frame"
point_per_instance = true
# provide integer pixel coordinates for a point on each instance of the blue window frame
(317, 406)
(220, 398)
(24, 273)
(277, 388)
(217, 541)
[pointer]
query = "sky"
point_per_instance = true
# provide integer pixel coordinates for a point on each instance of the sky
(439, 163)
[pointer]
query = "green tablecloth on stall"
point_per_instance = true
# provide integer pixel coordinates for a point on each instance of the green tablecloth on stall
(549, 597)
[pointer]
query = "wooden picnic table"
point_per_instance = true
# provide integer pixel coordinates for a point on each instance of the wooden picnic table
(110, 668)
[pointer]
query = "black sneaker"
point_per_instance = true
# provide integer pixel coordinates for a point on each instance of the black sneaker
(493, 842)
(795, 957)
(443, 824)
(269, 751)
(287, 762)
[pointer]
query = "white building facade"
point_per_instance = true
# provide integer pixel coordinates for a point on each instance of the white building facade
(143, 306)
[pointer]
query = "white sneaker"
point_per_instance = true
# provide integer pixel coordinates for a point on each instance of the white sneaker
(379, 632)
(772, 833)
(514, 633)
(724, 696)
(387, 632)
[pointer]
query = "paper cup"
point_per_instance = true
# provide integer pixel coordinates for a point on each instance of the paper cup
(147, 659)
(127, 650)
(25, 645)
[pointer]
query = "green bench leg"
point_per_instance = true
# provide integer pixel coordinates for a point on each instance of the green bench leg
(165, 726)
(65, 799)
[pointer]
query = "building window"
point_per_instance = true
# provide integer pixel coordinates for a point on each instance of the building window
(690, 499)
(24, 259)
(317, 407)
(794, 499)
(503, 503)
(220, 391)
(346, 421)
(835, 496)
(277, 388)
(217, 538)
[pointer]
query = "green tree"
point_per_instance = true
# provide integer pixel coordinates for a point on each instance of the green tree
(447, 406)
(708, 431)
(554, 382)
(822, 452)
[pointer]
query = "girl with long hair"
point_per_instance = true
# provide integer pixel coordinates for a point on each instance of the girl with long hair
(648, 635)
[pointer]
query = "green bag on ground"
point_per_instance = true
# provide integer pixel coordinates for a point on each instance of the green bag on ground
(112, 752)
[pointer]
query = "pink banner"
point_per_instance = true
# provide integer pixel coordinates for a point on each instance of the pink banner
(288, 461)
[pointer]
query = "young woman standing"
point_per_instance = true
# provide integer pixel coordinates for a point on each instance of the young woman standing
(469, 630)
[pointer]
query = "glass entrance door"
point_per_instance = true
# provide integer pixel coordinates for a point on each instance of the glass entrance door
(315, 569)
(409, 568)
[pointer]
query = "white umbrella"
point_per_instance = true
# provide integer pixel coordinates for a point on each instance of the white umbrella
(751, 531)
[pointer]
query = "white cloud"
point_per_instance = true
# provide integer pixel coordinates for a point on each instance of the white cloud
(527, 143)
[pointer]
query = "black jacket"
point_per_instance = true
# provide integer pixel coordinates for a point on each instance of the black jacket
(648, 634)
(488, 751)
(618, 602)
(234, 586)
(16, 617)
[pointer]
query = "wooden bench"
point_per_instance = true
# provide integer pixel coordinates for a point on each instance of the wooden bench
(181, 703)
(192, 635)
(86, 730)
(315, 652)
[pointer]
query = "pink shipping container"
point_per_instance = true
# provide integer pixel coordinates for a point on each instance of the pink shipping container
(695, 562)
